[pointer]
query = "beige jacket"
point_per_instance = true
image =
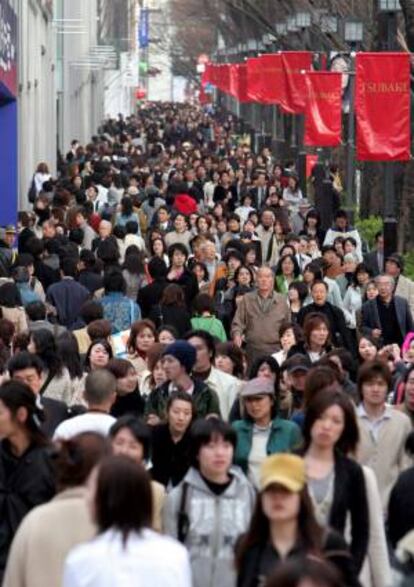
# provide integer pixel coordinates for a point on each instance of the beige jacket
(376, 571)
(17, 316)
(261, 329)
(385, 455)
(45, 537)
(405, 289)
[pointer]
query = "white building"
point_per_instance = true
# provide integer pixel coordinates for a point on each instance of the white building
(36, 92)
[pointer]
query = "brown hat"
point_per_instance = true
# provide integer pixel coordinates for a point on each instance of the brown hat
(283, 469)
(257, 386)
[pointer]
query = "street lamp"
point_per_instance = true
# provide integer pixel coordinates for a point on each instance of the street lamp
(291, 25)
(281, 28)
(328, 23)
(389, 5)
(353, 31)
(303, 20)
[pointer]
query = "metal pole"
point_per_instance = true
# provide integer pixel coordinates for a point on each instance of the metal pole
(350, 164)
(390, 221)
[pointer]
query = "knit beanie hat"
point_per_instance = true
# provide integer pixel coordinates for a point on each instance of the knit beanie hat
(184, 352)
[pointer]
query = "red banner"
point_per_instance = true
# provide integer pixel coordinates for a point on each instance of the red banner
(273, 82)
(323, 123)
(382, 103)
(293, 100)
(254, 79)
(242, 83)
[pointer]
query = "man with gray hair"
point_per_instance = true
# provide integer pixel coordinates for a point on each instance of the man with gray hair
(99, 394)
(259, 316)
(388, 317)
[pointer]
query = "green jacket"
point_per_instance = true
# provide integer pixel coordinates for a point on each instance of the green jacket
(285, 436)
(205, 400)
(210, 324)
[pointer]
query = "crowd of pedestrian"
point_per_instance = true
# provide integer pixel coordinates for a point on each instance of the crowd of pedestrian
(201, 383)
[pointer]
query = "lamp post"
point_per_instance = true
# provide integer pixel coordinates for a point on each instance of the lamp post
(303, 22)
(388, 9)
(353, 35)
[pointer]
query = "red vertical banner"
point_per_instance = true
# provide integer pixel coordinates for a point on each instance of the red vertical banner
(382, 102)
(323, 122)
(254, 79)
(294, 98)
(242, 83)
(273, 82)
(234, 79)
(311, 161)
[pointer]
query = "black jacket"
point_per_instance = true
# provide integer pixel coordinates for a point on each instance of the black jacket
(55, 413)
(339, 332)
(25, 482)
(170, 460)
(189, 283)
(262, 559)
(150, 296)
(350, 497)
(401, 507)
(130, 403)
(179, 318)
(91, 280)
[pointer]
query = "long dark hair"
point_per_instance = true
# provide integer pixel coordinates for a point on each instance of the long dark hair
(16, 395)
(322, 401)
(258, 534)
(123, 498)
(46, 350)
(68, 349)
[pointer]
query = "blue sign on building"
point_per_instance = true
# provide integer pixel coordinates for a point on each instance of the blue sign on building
(8, 114)
(143, 30)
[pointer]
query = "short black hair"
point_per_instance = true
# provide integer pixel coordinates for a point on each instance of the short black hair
(320, 282)
(207, 338)
(36, 311)
(91, 310)
(131, 227)
(25, 360)
(177, 247)
(69, 267)
(114, 280)
(139, 430)
(204, 431)
(157, 268)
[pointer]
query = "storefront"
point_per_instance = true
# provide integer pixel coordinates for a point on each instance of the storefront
(8, 114)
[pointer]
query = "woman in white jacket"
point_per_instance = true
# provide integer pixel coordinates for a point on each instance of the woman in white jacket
(126, 551)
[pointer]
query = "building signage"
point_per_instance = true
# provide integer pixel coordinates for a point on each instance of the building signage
(8, 49)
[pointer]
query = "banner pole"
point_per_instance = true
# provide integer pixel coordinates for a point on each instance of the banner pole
(350, 163)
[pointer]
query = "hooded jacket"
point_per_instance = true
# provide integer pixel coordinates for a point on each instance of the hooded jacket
(215, 524)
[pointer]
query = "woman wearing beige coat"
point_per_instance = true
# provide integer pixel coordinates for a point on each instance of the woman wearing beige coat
(376, 571)
(50, 531)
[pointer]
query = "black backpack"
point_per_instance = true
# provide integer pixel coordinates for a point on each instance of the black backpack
(32, 193)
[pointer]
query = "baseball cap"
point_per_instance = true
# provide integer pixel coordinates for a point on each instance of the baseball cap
(283, 469)
(257, 386)
(297, 363)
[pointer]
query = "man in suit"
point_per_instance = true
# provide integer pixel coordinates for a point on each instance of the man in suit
(28, 368)
(388, 317)
(67, 296)
(258, 192)
(404, 287)
(375, 259)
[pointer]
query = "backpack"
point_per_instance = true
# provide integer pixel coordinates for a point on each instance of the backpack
(32, 193)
